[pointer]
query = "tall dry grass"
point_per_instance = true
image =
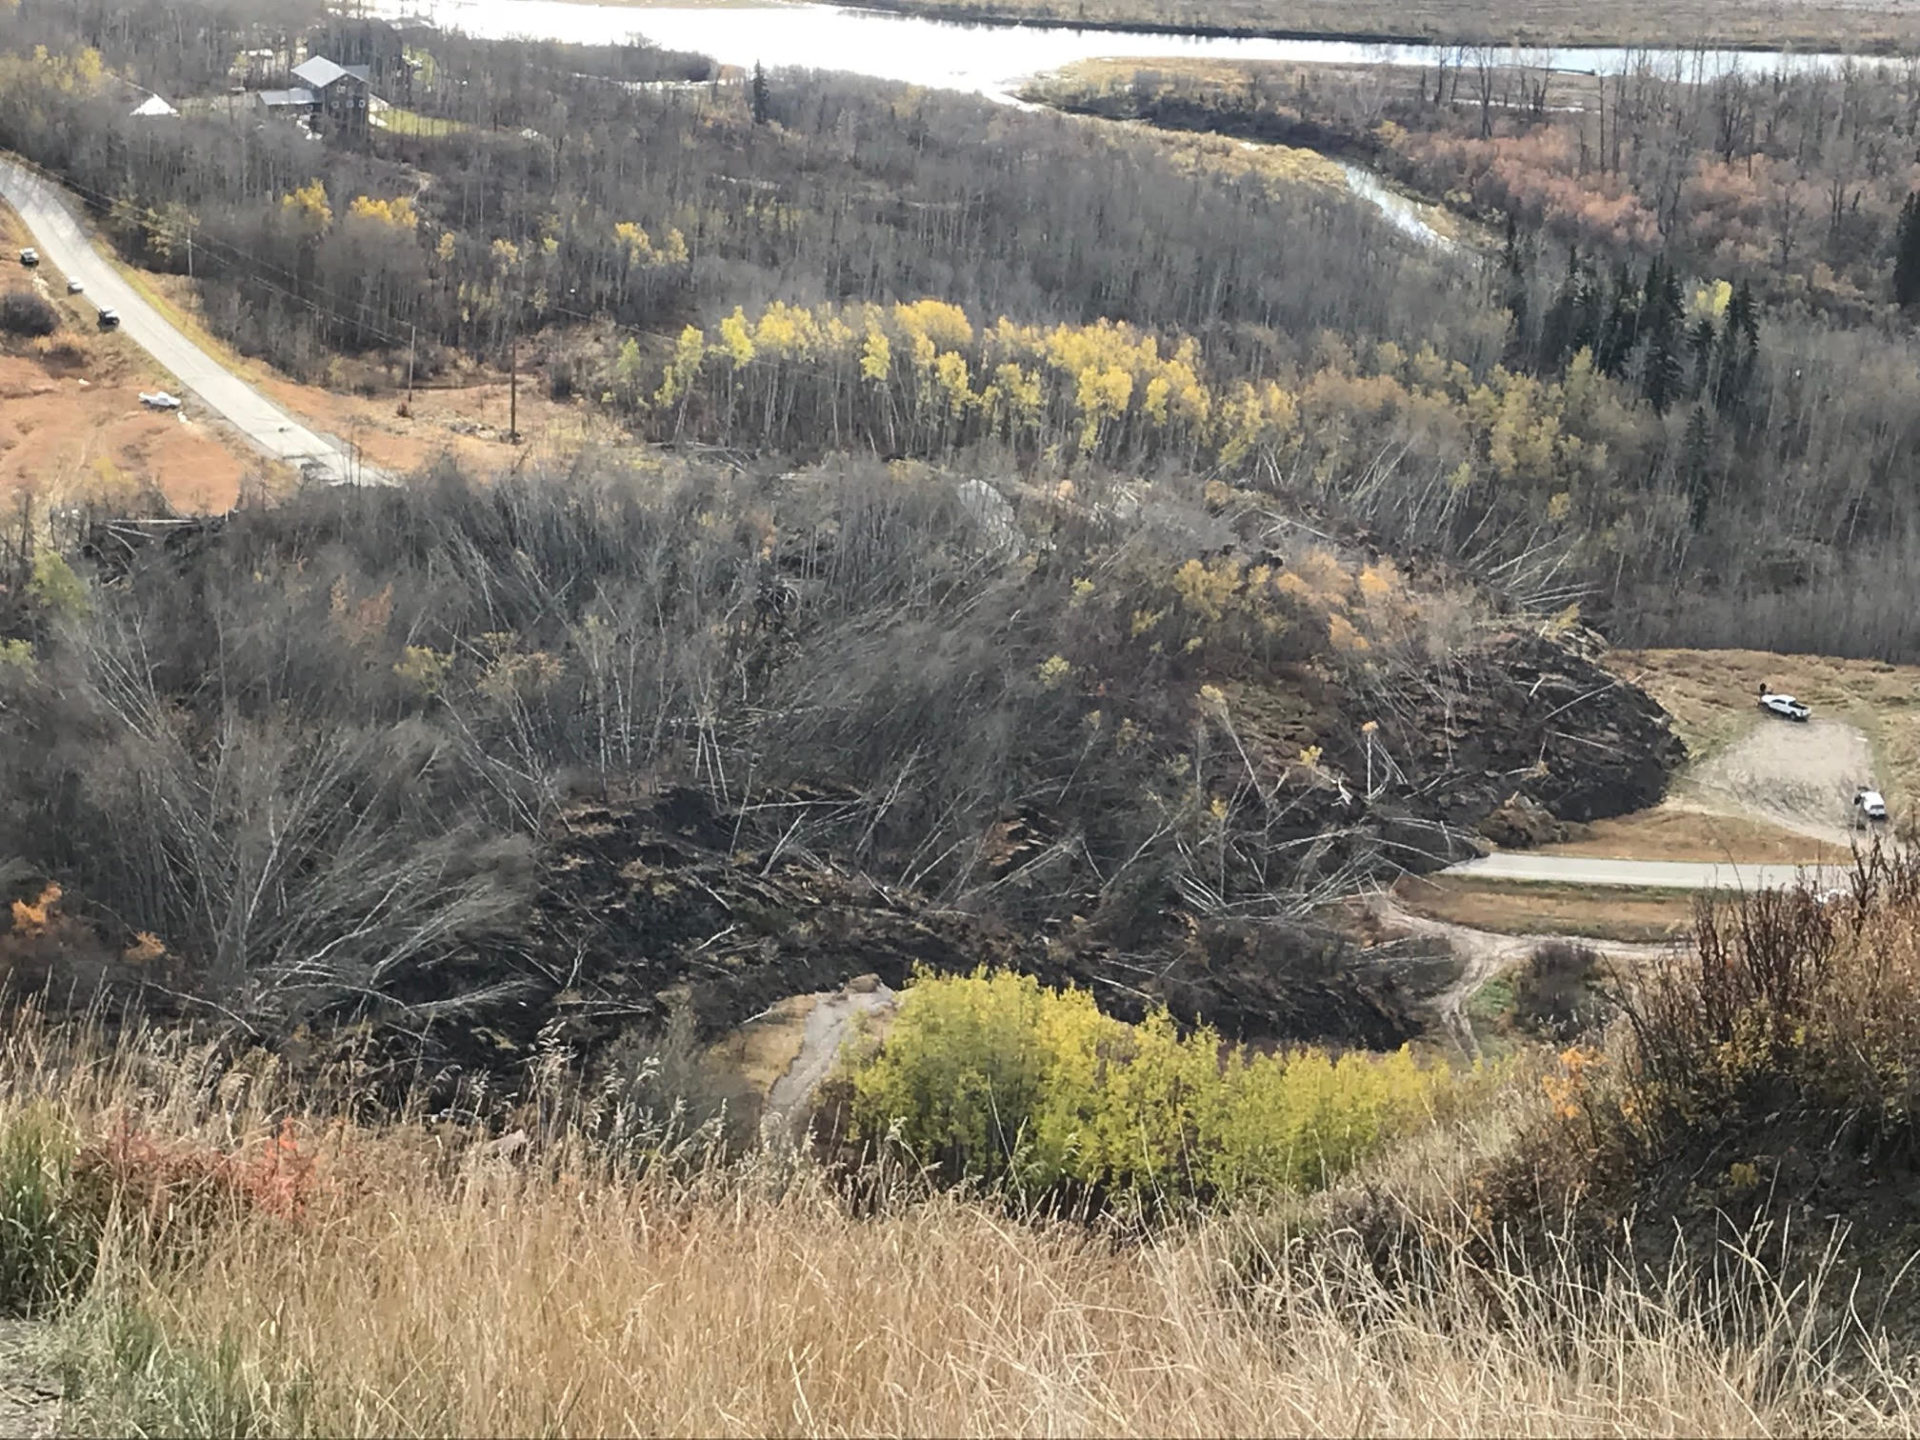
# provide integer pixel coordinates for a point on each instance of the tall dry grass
(425, 1284)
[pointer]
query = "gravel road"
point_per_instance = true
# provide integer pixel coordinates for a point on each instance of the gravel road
(49, 214)
(1652, 874)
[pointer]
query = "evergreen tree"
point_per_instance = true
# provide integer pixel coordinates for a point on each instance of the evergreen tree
(1696, 466)
(1562, 319)
(1906, 255)
(1739, 350)
(1513, 267)
(1701, 336)
(1619, 333)
(762, 96)
(1662, 314)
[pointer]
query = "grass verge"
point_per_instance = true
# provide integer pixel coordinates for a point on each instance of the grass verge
(1644, 916)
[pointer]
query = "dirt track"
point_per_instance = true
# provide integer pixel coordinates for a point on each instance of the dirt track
(829, 1025)
(1484, 955)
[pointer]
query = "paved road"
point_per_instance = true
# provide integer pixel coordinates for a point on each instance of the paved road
(58, 235)
(1652, 874)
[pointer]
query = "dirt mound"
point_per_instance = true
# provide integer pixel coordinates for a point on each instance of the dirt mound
(1521, 824)
(1525, 714)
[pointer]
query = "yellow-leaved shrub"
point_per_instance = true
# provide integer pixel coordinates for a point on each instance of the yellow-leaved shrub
(995, 1076)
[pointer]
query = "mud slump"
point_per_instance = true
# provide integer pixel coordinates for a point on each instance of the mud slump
(649, 908)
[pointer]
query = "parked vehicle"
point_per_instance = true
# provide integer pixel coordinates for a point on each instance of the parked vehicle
(1784, 706)
(30, 257)
(74, 287)
(1869, 807)
(109, 318)
(160, 400)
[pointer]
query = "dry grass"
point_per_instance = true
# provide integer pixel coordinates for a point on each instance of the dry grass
(1711, 696)
(436, 1287)
(1672, 832)
(1526, 908)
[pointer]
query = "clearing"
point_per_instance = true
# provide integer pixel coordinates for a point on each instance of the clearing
(1760, 791)
(72, 427)
(463, 415)
(1712, 693)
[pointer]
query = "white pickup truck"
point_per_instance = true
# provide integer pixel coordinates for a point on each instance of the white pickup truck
(160, 400)
(1784, 706)
(1869, 807)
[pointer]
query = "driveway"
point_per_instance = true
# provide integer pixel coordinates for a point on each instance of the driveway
(47, 211)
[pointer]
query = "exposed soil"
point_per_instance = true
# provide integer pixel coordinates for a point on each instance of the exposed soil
(30, 1397)
(75, 431)
(831, 1022)
(1799, 777)
(468, 422)
(72, 428)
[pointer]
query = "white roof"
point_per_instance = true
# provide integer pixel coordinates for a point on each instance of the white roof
(275, 98)
(320, 72)
(154, 105)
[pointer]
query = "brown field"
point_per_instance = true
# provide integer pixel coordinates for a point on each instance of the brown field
(1514, 908)
(1671, 832)
(401, 1279)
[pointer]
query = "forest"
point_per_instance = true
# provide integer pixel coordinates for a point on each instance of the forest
(1678, 393)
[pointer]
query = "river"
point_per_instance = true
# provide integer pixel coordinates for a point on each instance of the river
(985, 59)
(989, 60)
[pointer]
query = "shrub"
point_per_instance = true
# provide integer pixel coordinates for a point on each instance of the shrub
(993, 1075)
(1770, 1068)
(1552, 994)
(24, 313)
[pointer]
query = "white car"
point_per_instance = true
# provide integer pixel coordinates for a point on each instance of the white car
(160, 400)
(109, 318)
(1785, 706)
(29, 257)
(1870, 806)
(74, 287)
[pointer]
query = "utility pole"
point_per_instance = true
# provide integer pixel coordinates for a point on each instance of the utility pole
(513, 381)
(413, 339)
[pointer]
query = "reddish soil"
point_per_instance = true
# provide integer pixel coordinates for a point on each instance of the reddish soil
(72, 429)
